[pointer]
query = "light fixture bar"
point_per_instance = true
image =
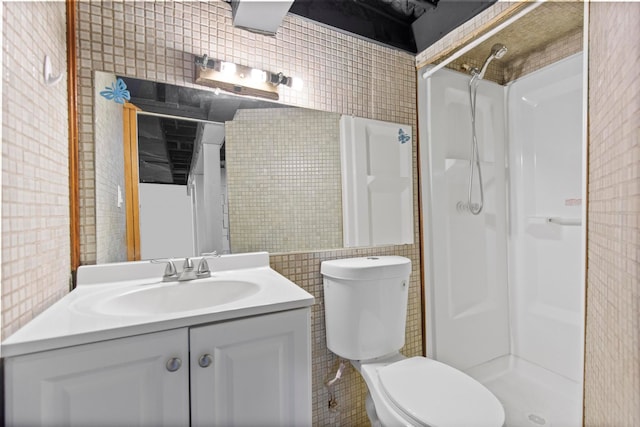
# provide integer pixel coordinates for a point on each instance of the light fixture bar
(240, 79)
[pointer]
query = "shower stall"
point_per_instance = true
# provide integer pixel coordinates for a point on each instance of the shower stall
(503, 234)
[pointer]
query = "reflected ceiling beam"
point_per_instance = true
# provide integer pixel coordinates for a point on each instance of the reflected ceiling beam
(170, 109)
(223, 112)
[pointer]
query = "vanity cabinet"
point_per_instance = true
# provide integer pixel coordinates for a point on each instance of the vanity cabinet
(250, 371)
(122, 382)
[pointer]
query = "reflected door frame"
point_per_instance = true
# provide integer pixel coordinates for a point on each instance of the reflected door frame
(132, 201)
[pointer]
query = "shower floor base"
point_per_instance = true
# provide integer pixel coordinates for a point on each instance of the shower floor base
(532, 396)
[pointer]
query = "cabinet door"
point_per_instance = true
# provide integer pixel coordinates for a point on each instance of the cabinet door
(122, 382)
(259, 375)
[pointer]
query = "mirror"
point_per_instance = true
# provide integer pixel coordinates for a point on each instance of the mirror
(279, 165)
(276, 171)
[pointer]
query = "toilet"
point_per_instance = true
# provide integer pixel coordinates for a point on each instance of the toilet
(365, 312)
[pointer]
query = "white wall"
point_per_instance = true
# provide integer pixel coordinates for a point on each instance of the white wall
(166, 221)
(209, 187)
(545, 139)
(465, 255)
(35, 162)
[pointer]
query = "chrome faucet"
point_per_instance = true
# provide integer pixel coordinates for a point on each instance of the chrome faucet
(187, 273)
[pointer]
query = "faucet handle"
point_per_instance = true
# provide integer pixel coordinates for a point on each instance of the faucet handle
(188, 264)
(170, 272)
(203, 268)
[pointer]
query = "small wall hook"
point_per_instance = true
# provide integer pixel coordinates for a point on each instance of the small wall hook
(49, 79)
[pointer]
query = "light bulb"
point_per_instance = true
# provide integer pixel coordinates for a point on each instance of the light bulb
(296, 83)
(258, 76)
(227, 68)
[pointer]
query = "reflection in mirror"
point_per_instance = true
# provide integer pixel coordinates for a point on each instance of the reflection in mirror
(291, 202)
(215, 171)
(284, 180)
(175, 187)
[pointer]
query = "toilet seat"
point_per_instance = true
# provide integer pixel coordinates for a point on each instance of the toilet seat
(425, 392)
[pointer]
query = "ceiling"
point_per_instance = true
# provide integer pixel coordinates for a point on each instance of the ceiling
(409, 25)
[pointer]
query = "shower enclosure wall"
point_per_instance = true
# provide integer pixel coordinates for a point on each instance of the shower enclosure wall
(504, 288)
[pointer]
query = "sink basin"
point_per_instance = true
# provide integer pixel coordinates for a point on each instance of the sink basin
(123, 299)
(176, 297)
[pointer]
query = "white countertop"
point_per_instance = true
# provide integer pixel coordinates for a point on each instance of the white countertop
(68, 322)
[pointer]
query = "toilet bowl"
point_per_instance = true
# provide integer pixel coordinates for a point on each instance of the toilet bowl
(365, 314)
(419, 391)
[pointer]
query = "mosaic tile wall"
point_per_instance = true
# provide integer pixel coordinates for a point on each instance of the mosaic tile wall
(110, 221)
(342, 74)
(495, 70)
(562, 48)
(35, 170)
(612, 376)
(284, 180)
(304, 269)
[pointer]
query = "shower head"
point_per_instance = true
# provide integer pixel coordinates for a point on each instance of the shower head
(498, 50)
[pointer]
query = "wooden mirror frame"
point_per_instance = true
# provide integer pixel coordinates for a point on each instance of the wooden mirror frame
(132, 203)
(74, 177)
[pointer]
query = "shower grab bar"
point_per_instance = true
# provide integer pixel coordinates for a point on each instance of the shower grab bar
(556, 220)
(564, 221)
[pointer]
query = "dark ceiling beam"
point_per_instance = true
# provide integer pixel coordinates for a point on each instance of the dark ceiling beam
(379, 10)
(171, 95)
(379, 21)
(436, 23)
(179, 137)
(371, 19)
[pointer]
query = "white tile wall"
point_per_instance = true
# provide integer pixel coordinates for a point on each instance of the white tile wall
(35, 172)
(612, 375)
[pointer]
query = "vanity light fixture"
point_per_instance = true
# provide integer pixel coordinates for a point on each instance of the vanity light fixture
(240, 79)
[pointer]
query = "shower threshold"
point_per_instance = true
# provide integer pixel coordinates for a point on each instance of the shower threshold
(531, 395)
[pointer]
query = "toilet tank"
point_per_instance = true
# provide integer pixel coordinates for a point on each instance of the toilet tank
(365, 305)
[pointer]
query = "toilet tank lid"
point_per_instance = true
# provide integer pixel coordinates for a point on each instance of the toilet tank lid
(367, 268)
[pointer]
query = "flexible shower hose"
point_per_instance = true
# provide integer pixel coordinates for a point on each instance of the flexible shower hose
(474, 161)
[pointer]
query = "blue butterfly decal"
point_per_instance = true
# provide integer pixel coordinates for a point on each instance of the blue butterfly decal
(403, 137)
(118, 92)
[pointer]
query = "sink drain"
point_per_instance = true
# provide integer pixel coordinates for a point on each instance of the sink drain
(537, 419)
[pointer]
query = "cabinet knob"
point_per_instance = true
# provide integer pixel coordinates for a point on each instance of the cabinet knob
(205, 360)
(174, 364)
